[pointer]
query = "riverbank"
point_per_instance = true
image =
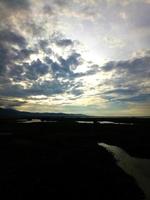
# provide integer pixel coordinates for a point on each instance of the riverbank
(138, 168)
(62, 160)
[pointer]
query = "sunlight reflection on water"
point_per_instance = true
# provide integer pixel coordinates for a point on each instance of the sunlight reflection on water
(136, 167)
(34, 121)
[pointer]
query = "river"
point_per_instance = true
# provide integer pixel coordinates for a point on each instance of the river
(138, 168)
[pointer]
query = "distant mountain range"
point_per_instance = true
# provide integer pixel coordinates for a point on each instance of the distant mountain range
(12, 113)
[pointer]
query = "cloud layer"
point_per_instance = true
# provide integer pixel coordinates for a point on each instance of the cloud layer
(67, 56)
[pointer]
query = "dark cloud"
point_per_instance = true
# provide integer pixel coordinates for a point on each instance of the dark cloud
(130, 80)
(12, 49)
(47, 88)
(11, 90)
(48, 10)
(76, 89)
(92, 70)
(36, 69)
(61, 3)
(3, 59)
(121, 94)
(109, 66)
(74, 59)
(62, 69)
(121, 91)
(15, 72)
(127, 98)
(129, 95)
(71, 62)
(6, 57)
(25, 71)
(15, 54)
(77, 92)
(15, 4)
(59, 39)
(56, 39)
(65, 67)
(53, 87)
(64, 42)
(44, 45)
(10, 37)
(137, 66)
(30, 72)
(141, 98)
(48, 60)
(24, 53)
(7, 103)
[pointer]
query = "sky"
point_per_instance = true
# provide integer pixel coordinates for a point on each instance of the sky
(75, 56)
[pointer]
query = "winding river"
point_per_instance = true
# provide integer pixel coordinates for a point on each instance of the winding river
(138, 168)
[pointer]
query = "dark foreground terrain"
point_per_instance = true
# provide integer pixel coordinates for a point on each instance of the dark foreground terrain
(62, 160)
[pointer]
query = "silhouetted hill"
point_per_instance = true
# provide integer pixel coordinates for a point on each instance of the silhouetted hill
(12, 113)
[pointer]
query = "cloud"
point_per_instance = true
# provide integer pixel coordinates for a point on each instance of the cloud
(13, 48)
(11, 37)
(142, 98)
(61, 3)
(71, 62)
(16, 73)
(138, 18)
(65, 67)
(113, 42)
(122, 91)
(15, 4)
(64, 42)
(10, 90)
(24, 53)
(47, 88)
(36, 69)
(44, 45)
(25, 77)
(43, 48)
(3, 59)
(136, 66)
(9, 53)
(11, 103)
(27, 72)
(130, 80)
(49, 75)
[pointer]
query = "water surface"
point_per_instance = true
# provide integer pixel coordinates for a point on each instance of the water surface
(138, 168)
